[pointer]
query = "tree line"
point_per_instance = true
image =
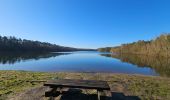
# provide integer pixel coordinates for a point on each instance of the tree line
(8, 44)
(159, 46)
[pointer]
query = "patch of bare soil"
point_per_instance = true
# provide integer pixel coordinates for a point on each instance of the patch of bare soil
(32, 94)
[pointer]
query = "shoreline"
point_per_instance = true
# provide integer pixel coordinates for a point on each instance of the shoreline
(145, 87)
(134, 74)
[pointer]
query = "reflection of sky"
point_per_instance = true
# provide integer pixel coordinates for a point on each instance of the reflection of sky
(78, 62)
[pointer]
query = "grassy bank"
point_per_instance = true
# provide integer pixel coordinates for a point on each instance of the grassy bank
(145, 87)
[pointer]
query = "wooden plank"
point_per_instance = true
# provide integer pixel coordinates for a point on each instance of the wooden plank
(38, 81)
(86, 84)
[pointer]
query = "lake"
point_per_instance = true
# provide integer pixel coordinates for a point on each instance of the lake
(85, 61)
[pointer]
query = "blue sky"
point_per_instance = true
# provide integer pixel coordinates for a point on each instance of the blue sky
(85, 23)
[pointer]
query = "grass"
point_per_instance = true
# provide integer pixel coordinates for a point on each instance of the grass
(145, 87)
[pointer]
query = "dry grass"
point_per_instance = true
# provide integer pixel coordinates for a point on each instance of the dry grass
(145, 87)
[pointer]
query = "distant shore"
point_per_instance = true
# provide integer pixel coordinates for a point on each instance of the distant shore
(13, 83)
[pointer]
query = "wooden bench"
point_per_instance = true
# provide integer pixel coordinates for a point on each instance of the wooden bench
(100, 86)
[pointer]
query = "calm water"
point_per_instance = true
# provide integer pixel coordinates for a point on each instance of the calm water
(85, 62)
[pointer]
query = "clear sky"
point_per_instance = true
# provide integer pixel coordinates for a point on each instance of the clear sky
(85, 23)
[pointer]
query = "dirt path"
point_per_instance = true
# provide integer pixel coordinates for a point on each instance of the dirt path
(32, 94)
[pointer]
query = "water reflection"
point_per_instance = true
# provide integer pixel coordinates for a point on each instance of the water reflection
(161, 65)
(85, 62)
(12, 58)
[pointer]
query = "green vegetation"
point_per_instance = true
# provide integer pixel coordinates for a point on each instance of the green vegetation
(9, 44)
(145, 87)
(158, 47)
(106, 49)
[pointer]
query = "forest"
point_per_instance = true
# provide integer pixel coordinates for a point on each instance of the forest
(8, 44)
(159, 47)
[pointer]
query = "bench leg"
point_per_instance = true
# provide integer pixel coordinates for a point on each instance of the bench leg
(60, 90)
(98, 94)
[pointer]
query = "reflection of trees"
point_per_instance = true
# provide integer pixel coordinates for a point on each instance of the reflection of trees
(11, 58)
(161, 65)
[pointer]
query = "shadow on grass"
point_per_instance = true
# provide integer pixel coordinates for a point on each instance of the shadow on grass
(76, 94)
